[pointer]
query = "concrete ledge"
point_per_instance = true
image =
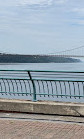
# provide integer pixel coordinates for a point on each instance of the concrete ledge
(45, 107)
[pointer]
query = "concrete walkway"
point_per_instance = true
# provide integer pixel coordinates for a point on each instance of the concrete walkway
(34, 126)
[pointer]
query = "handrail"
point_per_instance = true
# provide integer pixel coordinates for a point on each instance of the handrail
(42, 84)
(62, 71)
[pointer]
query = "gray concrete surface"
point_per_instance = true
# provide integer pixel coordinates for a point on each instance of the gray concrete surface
(45, 107)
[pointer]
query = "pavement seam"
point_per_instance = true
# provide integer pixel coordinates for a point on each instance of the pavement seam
(41, 120)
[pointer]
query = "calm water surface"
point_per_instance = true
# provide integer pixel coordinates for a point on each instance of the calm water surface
(44, 66)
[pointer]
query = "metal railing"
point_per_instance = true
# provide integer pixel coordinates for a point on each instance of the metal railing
(42, 84)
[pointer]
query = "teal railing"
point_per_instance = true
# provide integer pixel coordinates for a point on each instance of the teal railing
(42, 84)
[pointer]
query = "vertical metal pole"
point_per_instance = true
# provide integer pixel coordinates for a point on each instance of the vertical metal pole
(33, 84)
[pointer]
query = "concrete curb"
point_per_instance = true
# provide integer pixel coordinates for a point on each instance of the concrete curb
(42, 107)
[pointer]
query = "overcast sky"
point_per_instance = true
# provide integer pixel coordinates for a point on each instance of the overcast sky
(41, 26)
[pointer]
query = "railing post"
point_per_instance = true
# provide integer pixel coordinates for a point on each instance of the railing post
(33, 84)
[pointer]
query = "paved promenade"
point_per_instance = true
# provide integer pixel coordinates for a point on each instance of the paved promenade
(34, 126)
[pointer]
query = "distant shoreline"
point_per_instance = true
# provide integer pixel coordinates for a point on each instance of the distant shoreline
(18, 58)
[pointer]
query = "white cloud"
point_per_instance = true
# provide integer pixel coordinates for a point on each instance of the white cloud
(61, 1)
(36, 2)
(79, 10)
(40, 2)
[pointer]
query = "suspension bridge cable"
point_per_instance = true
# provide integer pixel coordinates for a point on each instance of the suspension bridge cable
(68, 50)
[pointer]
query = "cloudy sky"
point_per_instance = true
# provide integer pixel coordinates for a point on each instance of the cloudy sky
(41, 26)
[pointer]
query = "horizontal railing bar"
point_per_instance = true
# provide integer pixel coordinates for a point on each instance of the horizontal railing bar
(43, 94)
(3, 74)
(13, 79)
(82, 77)
(14, 76)
(42, 79)
(60, 95)
(35, 73)
(59, 80)
(56, 77)
(45, 71)
(57, 74)
(8, 73)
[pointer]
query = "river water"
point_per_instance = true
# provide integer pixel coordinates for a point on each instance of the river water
(43, 66)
